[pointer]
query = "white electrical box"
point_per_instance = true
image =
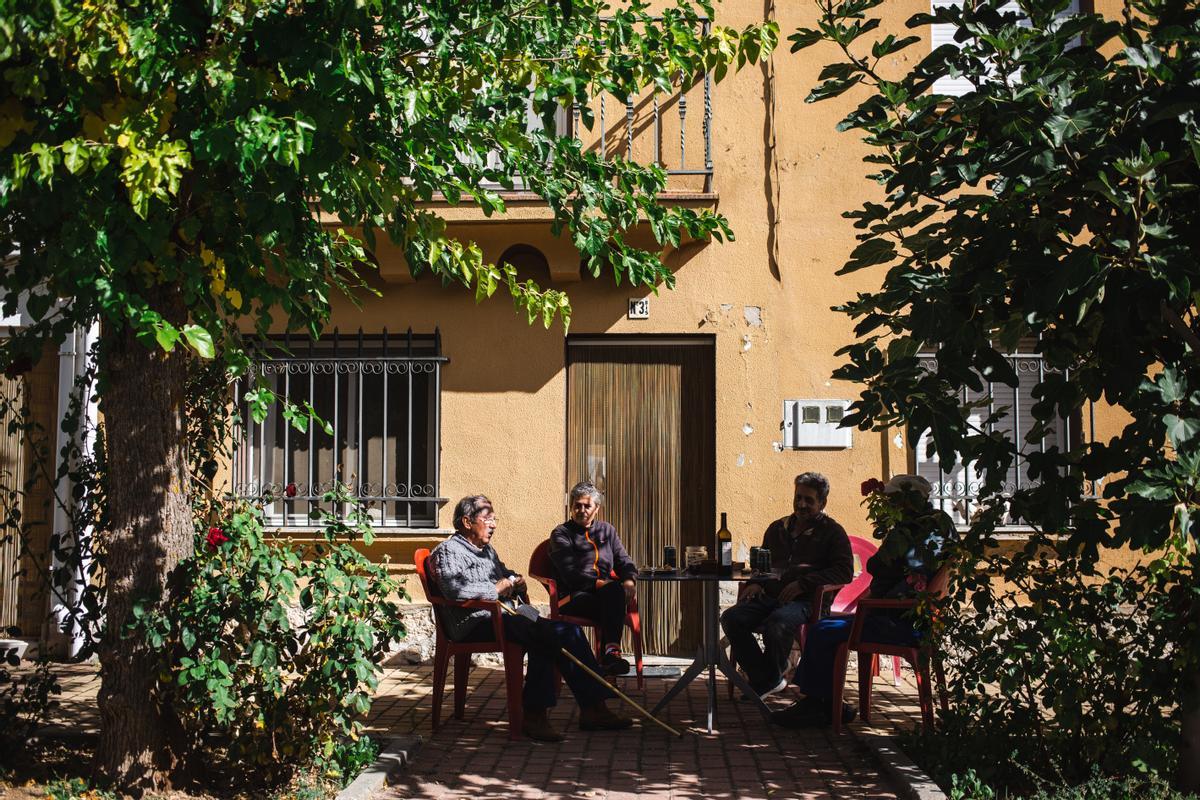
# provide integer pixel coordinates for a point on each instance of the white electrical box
(814, 423)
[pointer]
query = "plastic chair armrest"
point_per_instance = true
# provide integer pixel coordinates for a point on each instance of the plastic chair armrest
(551, 587)
(494, 607)
(865, 607)
(870, 602)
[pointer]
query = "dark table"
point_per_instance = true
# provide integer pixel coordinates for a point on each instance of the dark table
(709, 655)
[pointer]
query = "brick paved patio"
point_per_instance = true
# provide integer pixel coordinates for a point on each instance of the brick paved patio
(746, 758)
(474, 757)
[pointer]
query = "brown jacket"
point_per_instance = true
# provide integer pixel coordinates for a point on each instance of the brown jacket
(824, 550)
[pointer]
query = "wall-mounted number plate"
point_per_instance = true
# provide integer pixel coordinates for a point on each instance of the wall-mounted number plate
(639, 308)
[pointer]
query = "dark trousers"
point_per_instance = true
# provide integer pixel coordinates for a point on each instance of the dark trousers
(814, 675)
(764, 667)
(539, 674)
(604, 606)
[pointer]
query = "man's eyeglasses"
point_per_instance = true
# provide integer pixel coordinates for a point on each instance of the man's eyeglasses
(487, 517)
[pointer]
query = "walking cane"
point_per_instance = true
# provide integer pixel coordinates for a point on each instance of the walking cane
(591, 672)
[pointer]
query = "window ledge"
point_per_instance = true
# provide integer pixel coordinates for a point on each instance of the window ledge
(1012, 533)
(308, 532)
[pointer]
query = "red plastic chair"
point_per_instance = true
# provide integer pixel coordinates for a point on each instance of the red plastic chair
(541, 569)
(513, 654)
(847, 597)
(921, 656)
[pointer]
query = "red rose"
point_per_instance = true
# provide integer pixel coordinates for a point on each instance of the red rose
(290, 490)
(216, 537)
(917, 581)
(871, 485)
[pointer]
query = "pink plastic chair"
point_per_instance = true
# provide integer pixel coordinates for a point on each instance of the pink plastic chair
(446, 649)
(848, 594)
(845, 599)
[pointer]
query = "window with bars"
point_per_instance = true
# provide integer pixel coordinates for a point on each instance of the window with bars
(381, 398)
(956, 486)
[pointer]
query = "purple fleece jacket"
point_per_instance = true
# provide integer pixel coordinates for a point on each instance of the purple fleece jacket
(583, 557)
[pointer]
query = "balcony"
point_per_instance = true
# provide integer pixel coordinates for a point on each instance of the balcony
(672, 130)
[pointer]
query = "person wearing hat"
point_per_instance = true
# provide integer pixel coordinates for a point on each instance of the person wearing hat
(913, 548)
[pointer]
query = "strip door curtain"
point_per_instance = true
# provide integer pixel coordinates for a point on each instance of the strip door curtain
(12, 473)
(640, 426)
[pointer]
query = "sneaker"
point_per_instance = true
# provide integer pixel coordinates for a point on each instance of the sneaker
(600, 718)
(762, 694)
(613, 664)
(536, 726)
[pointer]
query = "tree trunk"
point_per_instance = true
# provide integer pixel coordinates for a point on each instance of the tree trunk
(151, 532)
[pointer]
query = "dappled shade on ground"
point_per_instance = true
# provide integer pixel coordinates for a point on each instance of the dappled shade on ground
(746, 759)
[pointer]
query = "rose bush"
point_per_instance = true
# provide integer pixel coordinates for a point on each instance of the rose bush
(271, 649)
(871, 485)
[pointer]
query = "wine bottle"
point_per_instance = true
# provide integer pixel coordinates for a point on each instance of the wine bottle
(724, 548)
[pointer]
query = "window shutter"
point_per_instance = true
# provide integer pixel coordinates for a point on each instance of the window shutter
(943, 33)
(956, 485)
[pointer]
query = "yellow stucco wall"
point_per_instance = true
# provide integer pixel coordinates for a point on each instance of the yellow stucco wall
(504, 390)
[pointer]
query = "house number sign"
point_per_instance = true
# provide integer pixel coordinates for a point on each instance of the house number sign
(639, 308)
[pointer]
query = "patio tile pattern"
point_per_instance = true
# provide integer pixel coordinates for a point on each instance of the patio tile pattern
(474, 758)
(745, 758)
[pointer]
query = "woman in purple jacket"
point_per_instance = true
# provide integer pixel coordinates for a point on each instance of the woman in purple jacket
(597, 576)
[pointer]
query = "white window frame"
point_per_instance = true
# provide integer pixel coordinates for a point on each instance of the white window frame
(956, 490)
(533, 122)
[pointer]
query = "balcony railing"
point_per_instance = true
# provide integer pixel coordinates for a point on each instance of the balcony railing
(653, 127)
(647, 128)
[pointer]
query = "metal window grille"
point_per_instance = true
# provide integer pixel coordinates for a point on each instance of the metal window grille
(956, 486)
(381, 397)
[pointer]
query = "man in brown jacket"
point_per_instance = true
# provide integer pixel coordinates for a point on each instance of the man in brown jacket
(808, 549)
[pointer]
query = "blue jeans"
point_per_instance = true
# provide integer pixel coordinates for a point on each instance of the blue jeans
(764, 666)
(814, 674)
(539, 674)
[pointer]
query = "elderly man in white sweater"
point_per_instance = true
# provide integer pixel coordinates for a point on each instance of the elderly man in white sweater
(466, 567)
